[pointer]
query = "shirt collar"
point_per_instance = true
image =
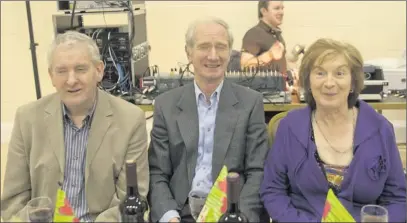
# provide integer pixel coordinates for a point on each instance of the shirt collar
(88, 117)
(268, 28)
(199, 92)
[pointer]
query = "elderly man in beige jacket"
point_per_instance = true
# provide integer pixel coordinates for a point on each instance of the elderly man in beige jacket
(77, 139)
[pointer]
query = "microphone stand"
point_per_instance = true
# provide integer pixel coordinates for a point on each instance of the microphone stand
(33, 51)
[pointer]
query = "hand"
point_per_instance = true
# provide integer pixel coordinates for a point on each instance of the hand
(295, 87)
(295, 77)
(174, 220)
(298, 49)
(277, 50)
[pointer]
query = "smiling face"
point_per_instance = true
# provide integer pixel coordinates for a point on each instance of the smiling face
(210, 52)
(75, 75)
(330, 81)
(274, 14)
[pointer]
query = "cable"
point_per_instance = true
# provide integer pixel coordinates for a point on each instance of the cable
(149, 117)
(124, 82)
(117, 76)
(73, 14)
(103, 13)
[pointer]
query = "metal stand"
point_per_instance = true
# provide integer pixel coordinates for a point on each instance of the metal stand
(33, 51)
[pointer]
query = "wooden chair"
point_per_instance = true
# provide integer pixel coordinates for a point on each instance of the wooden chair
(273, 125)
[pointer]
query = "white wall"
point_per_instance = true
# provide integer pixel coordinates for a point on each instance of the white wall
(378, 29)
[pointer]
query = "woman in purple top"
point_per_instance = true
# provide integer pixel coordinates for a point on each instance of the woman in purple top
(337, 142)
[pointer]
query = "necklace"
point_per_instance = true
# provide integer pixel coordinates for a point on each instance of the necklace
(329, 143)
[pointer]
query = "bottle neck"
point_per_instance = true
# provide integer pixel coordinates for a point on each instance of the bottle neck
(233, 207)
(132, 191)
(233, 197)
(131, 178)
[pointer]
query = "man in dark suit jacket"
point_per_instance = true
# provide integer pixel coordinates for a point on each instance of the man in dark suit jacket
(202, 126)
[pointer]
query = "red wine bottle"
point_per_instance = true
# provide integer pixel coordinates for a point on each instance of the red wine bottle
(233, 213)
(134, 206)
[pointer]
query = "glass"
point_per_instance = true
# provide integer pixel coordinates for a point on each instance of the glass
(374, 213)
(40, 209)
(196, 204)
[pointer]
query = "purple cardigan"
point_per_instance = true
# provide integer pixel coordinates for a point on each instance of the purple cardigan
(294, 188)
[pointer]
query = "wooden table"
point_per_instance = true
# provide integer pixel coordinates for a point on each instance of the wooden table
(286, 107)
(376, 105)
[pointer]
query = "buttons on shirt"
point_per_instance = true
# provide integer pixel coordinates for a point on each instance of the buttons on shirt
(209, 129)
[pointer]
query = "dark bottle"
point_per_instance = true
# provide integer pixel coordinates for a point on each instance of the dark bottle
(134, 206)
(233, 213)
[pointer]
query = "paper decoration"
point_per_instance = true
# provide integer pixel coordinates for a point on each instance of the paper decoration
(14, 219)
(63, 210)
(334, 211)
(216, 202)
(147, 214)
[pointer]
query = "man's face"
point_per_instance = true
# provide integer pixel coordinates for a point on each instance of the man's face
(74, 75)
(210, 53)
(274, 14)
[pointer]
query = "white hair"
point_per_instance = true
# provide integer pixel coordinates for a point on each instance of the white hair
(72, 38)
(189, 35)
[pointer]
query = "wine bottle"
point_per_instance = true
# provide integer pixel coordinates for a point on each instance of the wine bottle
(134, 206)
(233, 213)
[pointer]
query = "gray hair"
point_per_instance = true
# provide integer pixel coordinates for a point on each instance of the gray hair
(71, 38)
(189, 35)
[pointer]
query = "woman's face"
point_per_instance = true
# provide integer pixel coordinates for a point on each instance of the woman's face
(330, 81)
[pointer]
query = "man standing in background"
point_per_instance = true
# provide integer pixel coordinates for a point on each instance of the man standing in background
(263, 44)
(264, 41)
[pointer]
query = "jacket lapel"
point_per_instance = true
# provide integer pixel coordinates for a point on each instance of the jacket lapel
(55, 131)
(307, 173)
(366, 123)
(366, 126)
(100, 124)
(226, 119)
(188, 123)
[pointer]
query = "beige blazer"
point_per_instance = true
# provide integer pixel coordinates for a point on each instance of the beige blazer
(36, 162)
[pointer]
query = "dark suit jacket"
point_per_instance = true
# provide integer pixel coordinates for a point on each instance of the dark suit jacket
(240, 143)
